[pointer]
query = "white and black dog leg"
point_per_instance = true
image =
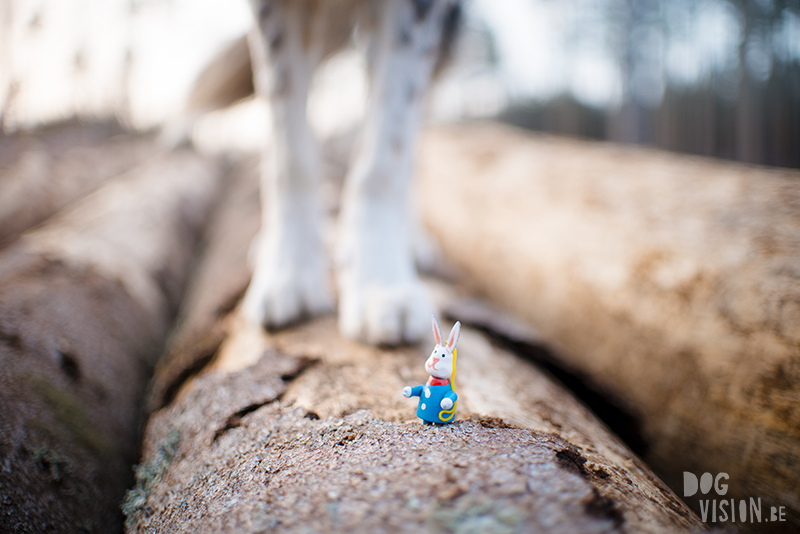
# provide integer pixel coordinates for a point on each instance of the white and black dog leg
(291, 277)
(382, 300)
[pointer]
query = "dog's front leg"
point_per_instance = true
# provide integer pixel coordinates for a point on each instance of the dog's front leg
(291, 271)
(382, 300)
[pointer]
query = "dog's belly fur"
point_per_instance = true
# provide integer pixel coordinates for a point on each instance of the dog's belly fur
(381, 299)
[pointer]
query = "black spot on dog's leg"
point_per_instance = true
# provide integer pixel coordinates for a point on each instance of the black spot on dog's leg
(264, 10)
(451, 25)
(404, 37)
(276, 43)
(422, 8)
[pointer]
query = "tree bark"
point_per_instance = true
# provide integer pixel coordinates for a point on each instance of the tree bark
(301, 430)
(669, 282)
(86, 302)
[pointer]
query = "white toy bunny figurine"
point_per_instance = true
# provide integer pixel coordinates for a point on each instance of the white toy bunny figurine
(438, 398)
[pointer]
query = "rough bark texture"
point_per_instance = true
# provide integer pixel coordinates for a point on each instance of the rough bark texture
(301, 431)
(671, 282)
(43, 171)
(86, 302)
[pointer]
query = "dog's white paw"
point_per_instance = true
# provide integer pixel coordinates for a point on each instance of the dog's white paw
(290, 282)
(385, 315)
(381, 299)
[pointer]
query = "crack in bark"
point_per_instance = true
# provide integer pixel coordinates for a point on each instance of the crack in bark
(570, 459)
(11, 339)
(597, 505)
(305, 363)
(603, 507)
(488, 421)
(235, 420)
(607, 407)
(188, 372)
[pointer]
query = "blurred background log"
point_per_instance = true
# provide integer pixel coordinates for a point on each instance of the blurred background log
(301, 429)
(43, 171)
(668, 283)
(86, 302)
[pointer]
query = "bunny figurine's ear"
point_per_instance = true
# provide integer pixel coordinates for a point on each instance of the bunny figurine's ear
(453, 339)
(437, 334)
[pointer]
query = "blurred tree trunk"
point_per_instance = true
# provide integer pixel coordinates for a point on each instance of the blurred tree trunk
(43, 171)
(86, 302)
(668, 282)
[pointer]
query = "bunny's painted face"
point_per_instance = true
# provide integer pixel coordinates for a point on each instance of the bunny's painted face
(440, 363)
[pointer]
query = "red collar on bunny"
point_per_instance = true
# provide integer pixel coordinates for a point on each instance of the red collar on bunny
(433, 381)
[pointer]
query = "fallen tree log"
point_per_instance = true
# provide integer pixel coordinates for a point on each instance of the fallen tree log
(218, 281)
(86, 302)
(669, 282)
(44, 170)
(301, 430)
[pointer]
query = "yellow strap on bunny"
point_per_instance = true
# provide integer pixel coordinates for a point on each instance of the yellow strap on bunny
(452, 411)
